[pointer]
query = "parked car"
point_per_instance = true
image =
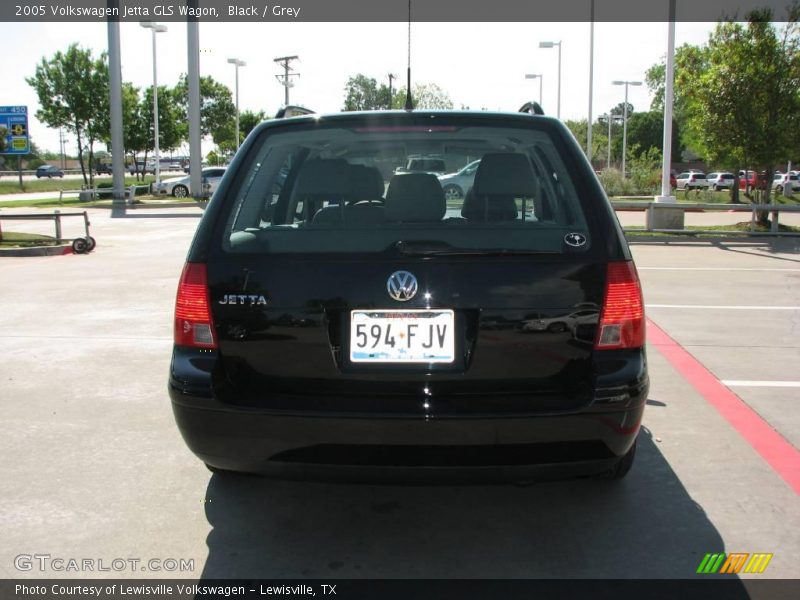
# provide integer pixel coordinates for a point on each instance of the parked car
(750, 180)
(132, 167)
(330, 322)
(180, 186)
(782, 181)
(455, 185)
(102, 169)
(48, 171)
(691, 180)
(720, 180)
(423, 164)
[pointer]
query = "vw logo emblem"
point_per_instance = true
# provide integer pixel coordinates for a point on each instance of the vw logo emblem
(576, 240)
(402, 286)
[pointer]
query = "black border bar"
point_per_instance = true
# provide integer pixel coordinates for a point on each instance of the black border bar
(267, 11)
(700, 588)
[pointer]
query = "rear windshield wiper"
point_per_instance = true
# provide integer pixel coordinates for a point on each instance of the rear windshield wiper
(437, 248)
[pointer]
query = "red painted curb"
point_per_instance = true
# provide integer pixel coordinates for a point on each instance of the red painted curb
(779, 453)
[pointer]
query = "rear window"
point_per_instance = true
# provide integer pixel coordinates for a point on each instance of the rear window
(334, 189)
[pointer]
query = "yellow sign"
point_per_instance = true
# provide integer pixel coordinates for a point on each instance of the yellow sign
(19, 143)
(18, 129)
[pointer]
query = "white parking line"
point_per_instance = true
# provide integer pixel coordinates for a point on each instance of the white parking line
(744, 383)
(721, 307)
(716, 269)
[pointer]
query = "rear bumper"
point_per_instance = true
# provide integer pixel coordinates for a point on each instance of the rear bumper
(392, 448)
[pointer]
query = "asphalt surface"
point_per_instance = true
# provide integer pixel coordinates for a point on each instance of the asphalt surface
(94, 466)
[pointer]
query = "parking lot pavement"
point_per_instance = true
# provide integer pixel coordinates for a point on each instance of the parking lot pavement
(95, 467)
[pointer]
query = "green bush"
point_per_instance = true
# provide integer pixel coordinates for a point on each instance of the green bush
(614, 184)
(645, 172)
(105, 195)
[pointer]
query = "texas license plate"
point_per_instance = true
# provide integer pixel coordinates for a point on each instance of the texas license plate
(407, 336)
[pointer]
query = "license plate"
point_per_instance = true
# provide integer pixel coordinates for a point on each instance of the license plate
(407, 336)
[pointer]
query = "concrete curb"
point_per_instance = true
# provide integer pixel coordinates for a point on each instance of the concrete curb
(37, 251)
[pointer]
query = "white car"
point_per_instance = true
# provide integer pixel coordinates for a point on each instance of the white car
(456, 185)
(179, 186)
(780, 181)
(720, 180)
(691, 180)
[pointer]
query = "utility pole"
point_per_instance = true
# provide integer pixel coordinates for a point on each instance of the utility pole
(62, 142)
(285, 79)
(391, 77)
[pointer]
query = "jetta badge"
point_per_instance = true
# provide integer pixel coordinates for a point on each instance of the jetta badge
(402, 286)
(576, 240)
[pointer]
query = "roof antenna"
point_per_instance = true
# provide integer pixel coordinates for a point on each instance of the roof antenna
(409, 101)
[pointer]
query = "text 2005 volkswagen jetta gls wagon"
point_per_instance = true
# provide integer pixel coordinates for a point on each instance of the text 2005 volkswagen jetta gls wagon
(337, 313)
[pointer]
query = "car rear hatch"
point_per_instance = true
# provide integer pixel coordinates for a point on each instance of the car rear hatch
(325, 298)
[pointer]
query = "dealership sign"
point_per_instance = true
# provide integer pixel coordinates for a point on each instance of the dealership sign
(14, 130)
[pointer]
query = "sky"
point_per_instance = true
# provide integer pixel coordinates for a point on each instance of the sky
(480, 65)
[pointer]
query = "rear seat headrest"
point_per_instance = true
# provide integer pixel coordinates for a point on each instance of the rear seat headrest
(323, 177)
(489, 208)
(366, 183)
(415, 198)
(505, 173)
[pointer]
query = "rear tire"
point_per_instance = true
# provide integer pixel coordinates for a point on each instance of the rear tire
(453, 192)
(623, 466)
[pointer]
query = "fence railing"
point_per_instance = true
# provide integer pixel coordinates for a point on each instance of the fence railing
(92, 193)
(754, 209)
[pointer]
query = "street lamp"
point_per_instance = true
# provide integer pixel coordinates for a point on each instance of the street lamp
(155, 28)
(610, 118)
(625, 119)
(550, 45)
(538, 76)
(238, 63)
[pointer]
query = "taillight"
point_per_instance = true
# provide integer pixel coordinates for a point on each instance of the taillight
(622, 319)
(193, 326)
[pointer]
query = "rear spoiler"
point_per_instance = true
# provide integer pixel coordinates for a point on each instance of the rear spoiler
(532, 108)
(293, 111)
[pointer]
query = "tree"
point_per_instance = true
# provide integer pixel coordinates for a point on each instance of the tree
(170, 130)
(363, 93)
(217, 111)
(136, 129)
(424, 96)
(248, 120)
(744, 105)
(72, 88)
(646, 131)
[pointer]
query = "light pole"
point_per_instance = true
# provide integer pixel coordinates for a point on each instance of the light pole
(610, 118)
(155, 28)
(625, 120)
(550, 45)
(238, 63)
(669, 76)
(538, 76)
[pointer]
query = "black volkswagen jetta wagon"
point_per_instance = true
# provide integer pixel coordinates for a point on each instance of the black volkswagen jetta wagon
(337, 314)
